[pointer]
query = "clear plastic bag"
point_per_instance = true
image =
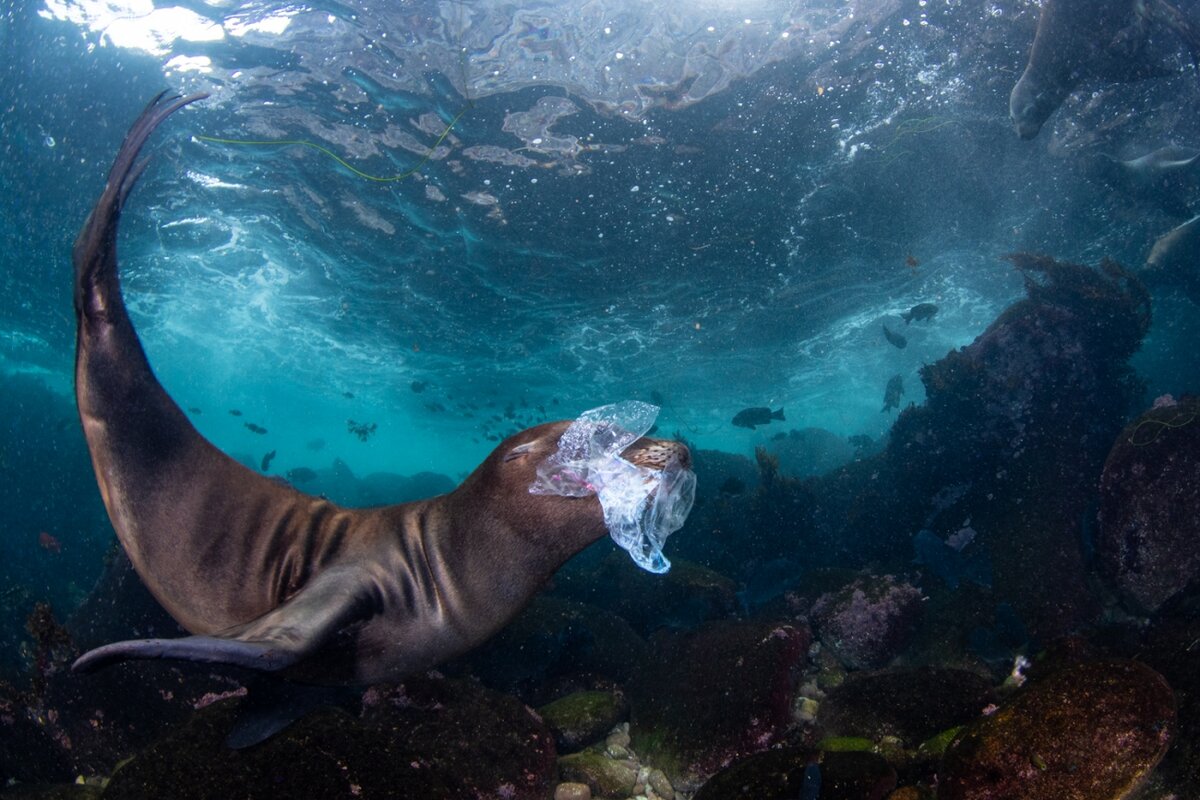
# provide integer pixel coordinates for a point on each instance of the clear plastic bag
(642, 506)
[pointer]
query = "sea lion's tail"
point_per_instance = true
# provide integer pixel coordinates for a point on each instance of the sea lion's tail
(95, 254)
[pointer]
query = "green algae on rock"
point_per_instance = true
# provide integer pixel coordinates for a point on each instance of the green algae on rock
(581, 718)
(607, 777)
(1089, 731)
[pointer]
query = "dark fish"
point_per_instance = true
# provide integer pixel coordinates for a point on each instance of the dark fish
(435, 407)
(363, 430)
(259, 429)
(316, 444)
(657, 398)
(233, 412)
(418, 386)
(894, 338)
(300, 475)
(194, 410)
(761, 415)
(348, 395)
(911, 262)
(266, 461)
(893, 392)
(919, 312)
(49, 543)
(732, 486)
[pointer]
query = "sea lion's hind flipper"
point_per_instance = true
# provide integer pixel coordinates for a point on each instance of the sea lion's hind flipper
(283, 636)
(95, 248)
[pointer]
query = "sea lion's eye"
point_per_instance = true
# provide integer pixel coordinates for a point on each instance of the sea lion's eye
(518, 451)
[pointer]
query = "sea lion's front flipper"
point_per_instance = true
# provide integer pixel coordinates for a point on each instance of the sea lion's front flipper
(281, 637)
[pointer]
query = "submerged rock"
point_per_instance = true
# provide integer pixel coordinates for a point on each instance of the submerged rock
(1089, 731)
(780, 775)
(715, 695)
(606, 777)
(28, 751)
(810, 451)
(910, 704)
(1150, 505)
(552, 641)
(424, 738)
(869, 621)
(1169, 646)
(685, 597)
(581, 718)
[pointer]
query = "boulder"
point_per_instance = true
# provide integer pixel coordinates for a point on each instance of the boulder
(1150, 505)
(869, 621)
(1089, 731)
(714, 695)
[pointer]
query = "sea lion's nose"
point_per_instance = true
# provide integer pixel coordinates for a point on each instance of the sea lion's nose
(658, 454)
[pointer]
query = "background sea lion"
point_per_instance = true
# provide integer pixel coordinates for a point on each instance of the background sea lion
(268, 577)
(1174, 260)
(1079, 40)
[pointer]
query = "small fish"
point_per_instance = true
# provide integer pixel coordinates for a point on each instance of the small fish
(894, 339)
(300, 475)
(911, 262)
(761, 415)
(657, 398)
(418, 386)
(233, 412)
(194, 410)
(892, 394)
(259, 429)
(348, 395)
(316, 444)
(435, 407)
(266, 461)
(920, 311)
(363, 430)
(49, 543)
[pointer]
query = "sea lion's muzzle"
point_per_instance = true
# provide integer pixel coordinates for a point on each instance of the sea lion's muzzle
(645, 486)
(658, 454)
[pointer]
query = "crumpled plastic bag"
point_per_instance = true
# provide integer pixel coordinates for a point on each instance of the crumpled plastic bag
(642, 506)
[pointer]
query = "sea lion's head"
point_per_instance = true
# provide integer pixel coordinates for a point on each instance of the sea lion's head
(560, 521)
(1031, 104)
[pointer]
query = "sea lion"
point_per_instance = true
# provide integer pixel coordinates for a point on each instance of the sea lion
(1166, 178)
(1082, 40)
(1150, 166)
(1174, 260)
(270, 578)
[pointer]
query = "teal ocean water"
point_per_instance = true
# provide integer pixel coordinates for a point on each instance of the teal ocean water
(396, 233)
